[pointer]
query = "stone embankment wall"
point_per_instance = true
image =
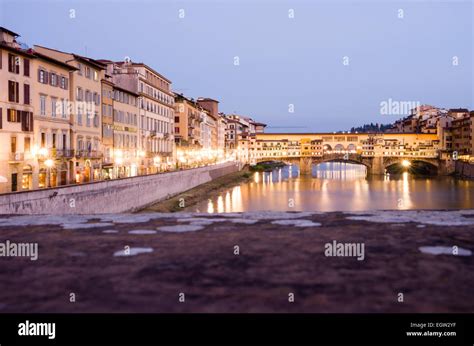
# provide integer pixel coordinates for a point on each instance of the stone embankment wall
(464, 169)
(112, 196)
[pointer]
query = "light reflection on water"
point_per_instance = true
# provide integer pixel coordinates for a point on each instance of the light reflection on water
(340, 186)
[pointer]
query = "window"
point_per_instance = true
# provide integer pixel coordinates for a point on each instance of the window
(13, 64)
(79, 116)
(63, 104)
(26, 120)
(54, 79)
(26, 94)
(63, 83)
(42, 105)
(176, 119)
(88, 119)
(43, 139)
(13, 145)
(41, 76)
(26, 67)
(96, 75)
(79, 71)
(13, 116)
(1, 115)
(54, 140)
(79, 94)
(13, 91)
(27, 144)
(88, 72)
(53, 107)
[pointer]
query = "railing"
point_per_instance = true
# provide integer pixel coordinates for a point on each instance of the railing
(17, 157)
(88, 154)
(66, 153)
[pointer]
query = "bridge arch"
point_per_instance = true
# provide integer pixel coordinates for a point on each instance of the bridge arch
(338, 148)
(351, 148)
(413, 165)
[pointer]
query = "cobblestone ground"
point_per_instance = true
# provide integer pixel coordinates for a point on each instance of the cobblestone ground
(280, 253)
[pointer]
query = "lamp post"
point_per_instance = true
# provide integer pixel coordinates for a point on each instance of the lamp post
(157, 163)
(49, 163)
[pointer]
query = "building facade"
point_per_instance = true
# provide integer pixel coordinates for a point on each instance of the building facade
(156, 112)
(17, 160)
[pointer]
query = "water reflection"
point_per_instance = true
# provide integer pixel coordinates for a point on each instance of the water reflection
(340, 186)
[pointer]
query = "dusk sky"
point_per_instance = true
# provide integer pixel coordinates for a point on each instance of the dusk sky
(283, 60)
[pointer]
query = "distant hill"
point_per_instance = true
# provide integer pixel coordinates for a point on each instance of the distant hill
(371, 128)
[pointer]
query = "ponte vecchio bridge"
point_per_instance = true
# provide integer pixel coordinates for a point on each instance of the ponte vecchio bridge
(375, 151)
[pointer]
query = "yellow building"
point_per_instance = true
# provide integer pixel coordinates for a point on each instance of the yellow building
(16, 115)
(107, 144)
(52, 122)
(85, 93)
(126, 156)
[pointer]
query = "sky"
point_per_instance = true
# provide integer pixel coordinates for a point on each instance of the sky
(299, 66)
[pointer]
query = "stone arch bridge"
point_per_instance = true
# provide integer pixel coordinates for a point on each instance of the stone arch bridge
(374, 165)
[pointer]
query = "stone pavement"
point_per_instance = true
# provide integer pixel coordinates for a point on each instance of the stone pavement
(249, 262)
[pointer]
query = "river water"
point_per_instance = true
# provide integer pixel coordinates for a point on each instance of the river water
(337, 186)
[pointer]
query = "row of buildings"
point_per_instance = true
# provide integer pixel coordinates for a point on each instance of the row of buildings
(67, 119)
(454, 128)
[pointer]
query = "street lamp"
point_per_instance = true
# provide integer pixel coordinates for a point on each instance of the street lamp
(49, 163)
(406, 163)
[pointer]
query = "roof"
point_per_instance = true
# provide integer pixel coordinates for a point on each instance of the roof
(54, 61)
(143, 65)
(25, 52)
(459, 110)
(337, 134)
(126, 90)
(9, 31)
(91, 61)
(87, 60)
(206, 99)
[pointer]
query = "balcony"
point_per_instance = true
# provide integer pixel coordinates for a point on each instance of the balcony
(17, 157)
(88, 154)
(65, 153)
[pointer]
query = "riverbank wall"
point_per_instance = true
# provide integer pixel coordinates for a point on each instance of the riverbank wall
(112, 196)
(464, 170)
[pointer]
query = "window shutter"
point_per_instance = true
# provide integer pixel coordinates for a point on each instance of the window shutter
(1, 116)
(23, 120)
(26, 67)
(10, 63)
(10, 91)
(66, 83)
(31, 121)
(17, 87)
(46, 77)
(17, 66)
(26, 94)
(39, 75)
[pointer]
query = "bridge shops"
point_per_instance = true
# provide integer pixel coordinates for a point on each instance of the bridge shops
(376, 151)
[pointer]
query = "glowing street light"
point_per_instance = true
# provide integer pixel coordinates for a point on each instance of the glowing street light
(406, 163)
(49, 163)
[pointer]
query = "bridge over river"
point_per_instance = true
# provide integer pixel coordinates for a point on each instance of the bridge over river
(377, 152)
